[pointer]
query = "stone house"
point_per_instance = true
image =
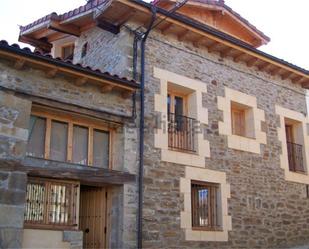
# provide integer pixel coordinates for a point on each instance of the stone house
(207, 146)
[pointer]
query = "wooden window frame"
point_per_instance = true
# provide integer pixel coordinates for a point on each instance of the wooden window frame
(241, 110)
(172, 99)
(73, 205)
(213, 209)
(65, 46)
(72, 120)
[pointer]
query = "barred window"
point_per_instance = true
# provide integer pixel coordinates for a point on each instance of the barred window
(204, 197)
(51, 203)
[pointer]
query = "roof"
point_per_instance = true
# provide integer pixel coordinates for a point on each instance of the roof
(222, 4)
(38, 56)
(100, 4)
(220, 34)
(91, 5)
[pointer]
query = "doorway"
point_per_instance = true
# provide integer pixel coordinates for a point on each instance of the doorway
(93, 216)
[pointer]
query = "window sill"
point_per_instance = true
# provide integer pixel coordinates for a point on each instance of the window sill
(50, 227)
(299, 172)
(207, 229)
(246, 137)
(183, 151)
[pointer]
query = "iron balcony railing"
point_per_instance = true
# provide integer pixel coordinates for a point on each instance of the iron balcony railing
(181, 132)
(295, 156)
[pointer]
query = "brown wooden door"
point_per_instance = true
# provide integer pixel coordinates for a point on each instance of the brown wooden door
(289, 133)
(92, 217)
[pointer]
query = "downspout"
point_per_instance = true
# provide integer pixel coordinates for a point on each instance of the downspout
(143, 37)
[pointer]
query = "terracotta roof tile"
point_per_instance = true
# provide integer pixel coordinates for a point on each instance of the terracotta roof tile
(4, 45)
(91, 5)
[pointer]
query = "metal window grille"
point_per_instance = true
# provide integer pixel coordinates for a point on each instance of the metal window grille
(204, 197)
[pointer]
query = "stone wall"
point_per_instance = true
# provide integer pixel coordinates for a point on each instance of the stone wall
(266, 210)
(28, 84)
(12, 200)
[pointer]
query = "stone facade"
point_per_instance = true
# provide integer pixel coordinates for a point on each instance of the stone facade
(20, 90)
(267, 211)
(262, 209)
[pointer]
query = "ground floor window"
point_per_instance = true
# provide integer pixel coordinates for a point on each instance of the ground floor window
(51, 203)
(204, 198)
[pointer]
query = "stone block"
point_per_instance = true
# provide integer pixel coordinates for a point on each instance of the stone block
(11, 238)
(12, 197)
(18, 180)
(11, 216)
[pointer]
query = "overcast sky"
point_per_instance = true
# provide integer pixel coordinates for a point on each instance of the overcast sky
(285, 22)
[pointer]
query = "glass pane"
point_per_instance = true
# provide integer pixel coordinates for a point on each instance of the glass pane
(178, 105)
(36, 142)
(168, 104)
(80, 145)
(35, 200)
(58, 141)
(203, 197)
(100, 149)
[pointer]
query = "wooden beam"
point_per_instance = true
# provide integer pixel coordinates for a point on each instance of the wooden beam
(166, 28)
(81, 81)
(297, 79)
(106, 89)
(275, 71)
(213, 47)
(45, 46)
(286, 75)
(69, 29)
(51, 73)
(19, 64)
(108, 26)
(225, 52)
(251, 62)
(182, 35)
(238, 57)
(126, 94)
(264, 66)
(305, 84)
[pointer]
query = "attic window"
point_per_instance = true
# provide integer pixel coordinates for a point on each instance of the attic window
(67, 52)
(84, 49)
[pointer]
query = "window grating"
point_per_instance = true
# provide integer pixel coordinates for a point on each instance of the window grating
(204, 205)
(51, 203)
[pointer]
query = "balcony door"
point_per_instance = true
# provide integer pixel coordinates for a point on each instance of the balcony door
(294, 149)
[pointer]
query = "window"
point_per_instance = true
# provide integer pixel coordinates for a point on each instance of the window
(68, 140)
(180, 127)
(294, 145)
(51, 203)
(67, 52)
(84, 50)
(204, 205)
(242, 120)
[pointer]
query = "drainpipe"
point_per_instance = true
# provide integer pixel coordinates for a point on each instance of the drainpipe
(143, 38)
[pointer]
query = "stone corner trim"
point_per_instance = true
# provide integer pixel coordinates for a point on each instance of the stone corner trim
(302, 134)
(225, 128)
(210, 176)
(195, 109)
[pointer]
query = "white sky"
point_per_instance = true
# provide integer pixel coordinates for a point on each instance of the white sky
(285, 22)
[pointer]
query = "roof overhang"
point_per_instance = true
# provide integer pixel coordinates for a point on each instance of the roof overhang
(53, 67)
(200, 35)
(118, 12)
(219, 11)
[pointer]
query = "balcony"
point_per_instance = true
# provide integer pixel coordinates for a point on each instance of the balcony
(181, 133)
(295, 156)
